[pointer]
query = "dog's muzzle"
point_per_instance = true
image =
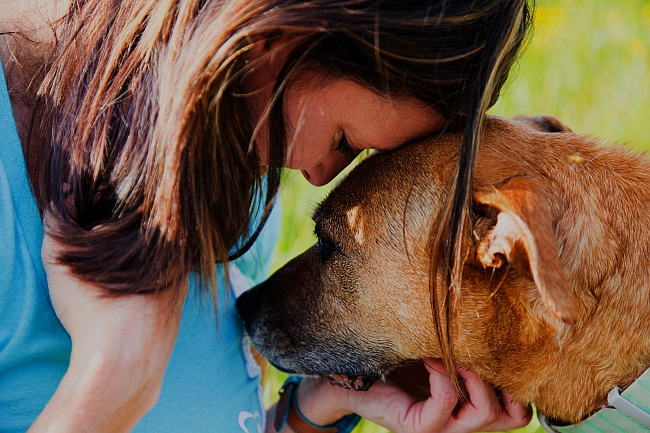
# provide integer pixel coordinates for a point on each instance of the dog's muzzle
(264, 335)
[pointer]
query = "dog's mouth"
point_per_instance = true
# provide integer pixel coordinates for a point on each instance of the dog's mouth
(356, 383)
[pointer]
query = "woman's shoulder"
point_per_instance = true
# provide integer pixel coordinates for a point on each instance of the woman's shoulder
(34, 347)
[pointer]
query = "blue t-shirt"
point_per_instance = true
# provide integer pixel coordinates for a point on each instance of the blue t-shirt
(211, 383)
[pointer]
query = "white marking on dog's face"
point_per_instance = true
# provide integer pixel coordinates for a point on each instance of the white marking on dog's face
(576, 159)
(355, 223)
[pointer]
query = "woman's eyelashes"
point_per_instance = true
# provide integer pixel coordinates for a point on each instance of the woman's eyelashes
(344, 147)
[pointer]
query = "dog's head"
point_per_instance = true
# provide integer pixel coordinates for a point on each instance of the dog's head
(357, 304)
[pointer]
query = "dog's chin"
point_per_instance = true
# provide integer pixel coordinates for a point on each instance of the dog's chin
(356, 383)
(353, 382)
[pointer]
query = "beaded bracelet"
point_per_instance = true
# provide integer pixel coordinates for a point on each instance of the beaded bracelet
(288, 413)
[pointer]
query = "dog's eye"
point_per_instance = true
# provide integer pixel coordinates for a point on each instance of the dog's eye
(325, 247)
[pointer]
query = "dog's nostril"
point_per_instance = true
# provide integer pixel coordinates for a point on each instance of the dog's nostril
(246, 305)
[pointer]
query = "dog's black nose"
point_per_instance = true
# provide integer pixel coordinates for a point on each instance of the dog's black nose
(246, 305)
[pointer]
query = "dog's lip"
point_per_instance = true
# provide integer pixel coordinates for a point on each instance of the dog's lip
(283, 369)
(356, 383)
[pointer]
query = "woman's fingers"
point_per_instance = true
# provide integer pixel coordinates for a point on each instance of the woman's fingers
(396, 409)
(481, 410)
(400, 405)
(414, 379)
(520, 413)
(485, 411)
(443, 400)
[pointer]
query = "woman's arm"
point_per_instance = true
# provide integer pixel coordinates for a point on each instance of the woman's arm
(120, 349)
(400, 405)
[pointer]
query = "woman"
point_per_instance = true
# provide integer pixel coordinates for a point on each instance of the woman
(153, 133)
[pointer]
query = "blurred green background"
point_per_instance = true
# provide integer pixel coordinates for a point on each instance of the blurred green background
(587, 63)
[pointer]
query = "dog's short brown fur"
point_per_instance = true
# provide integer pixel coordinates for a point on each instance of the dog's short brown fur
(555, 302)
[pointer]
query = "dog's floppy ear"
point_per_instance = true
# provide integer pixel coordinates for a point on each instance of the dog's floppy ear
(544, 123)
(523, 236)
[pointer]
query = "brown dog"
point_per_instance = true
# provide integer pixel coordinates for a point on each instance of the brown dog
(555, 302)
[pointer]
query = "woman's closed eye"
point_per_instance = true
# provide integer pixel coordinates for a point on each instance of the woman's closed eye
(344, 147)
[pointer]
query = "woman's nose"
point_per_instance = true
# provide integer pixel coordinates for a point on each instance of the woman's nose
(322, 173)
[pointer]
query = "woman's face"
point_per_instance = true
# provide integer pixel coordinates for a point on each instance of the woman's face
(330, 121)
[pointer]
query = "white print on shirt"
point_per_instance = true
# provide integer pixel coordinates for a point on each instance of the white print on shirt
(238, 281)
(260, 400)
(252, 367)
(239, 284)
(245, 416)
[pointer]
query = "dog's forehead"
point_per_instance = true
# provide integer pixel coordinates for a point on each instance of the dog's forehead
(323, 217)
(387, 178)
(345, 204)
(332, 216)
(414, 178)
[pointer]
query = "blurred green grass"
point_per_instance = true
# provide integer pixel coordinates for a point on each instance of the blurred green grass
(587, 63)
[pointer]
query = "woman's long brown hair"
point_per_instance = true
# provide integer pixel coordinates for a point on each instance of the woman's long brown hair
(151, 170)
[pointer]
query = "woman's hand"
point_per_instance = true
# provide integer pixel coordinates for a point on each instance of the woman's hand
(414, 400)
(120, 349)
